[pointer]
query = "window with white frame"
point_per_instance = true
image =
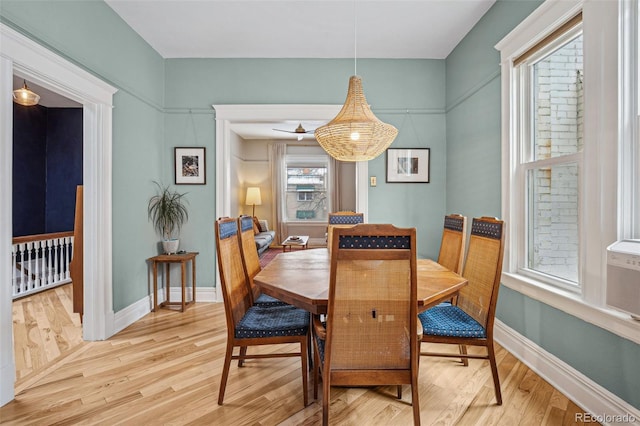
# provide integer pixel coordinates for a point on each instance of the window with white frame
(550, 115)
(306, 188)
(570, 181)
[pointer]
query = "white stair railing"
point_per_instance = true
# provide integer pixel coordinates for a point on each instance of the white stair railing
(41, 262)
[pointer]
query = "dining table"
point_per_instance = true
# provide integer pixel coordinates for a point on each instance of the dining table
(301, 278)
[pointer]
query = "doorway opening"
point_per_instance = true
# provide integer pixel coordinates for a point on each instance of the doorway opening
(26, 59)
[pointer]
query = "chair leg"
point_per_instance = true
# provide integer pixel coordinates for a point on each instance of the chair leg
(399, 391)
(243, 353)
(316, 371)
(326, 387)
(463, 351)
(305, 369)
(494, 372)
(225, 372)
(415, 402)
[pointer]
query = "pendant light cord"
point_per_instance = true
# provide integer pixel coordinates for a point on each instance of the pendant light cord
(355, 39)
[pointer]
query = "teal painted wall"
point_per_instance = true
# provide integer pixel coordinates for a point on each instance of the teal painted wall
(391, 86)
(455, 109)
(473, 188)
(91, 35)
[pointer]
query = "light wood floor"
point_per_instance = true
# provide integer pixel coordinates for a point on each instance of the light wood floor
(165, 369)
(44, 329)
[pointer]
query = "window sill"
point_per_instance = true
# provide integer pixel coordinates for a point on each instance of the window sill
(611, 320)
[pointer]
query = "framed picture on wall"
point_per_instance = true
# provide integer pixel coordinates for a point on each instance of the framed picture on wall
(190, 165)
(408, 165)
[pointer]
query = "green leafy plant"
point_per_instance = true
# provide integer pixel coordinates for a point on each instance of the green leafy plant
(168, 211)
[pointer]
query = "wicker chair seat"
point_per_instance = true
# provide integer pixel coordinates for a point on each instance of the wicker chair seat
(449, 320)
(272, 321)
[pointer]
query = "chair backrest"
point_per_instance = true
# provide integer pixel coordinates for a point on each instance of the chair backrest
(250, 259)
(454, 235)
(235, 290)
(483, 269)
(345, 218)
(372, 312)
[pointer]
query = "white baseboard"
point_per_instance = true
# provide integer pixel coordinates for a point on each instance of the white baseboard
(132, 313)
(604, 406)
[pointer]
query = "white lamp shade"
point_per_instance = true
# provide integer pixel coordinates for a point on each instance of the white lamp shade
(253, 196)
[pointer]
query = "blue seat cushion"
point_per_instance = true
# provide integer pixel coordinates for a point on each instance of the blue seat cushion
(451, 321)
(272, 321)
(266, 300)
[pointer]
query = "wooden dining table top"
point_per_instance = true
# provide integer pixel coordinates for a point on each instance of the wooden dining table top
(301, 278)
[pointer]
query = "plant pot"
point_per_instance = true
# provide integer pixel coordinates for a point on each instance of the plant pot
(170, 246)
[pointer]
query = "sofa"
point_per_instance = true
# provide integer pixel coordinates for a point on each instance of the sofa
(264, 237)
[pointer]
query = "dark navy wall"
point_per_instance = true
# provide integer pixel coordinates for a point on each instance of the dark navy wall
(64, 167)
(47, 167)
(29, 167)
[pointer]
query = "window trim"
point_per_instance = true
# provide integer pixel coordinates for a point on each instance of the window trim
(294, 160)
(601, 170)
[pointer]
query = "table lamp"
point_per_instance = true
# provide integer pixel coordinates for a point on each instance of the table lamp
(253, 198)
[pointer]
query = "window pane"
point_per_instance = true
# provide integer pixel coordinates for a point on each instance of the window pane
(306, 196)
(553, 221)
(558, 102)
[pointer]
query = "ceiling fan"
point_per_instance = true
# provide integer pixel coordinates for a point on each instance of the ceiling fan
(298, 131)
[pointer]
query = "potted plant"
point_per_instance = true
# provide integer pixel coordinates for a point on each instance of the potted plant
(168, 212)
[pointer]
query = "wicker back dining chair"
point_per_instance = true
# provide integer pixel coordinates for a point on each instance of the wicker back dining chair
(372, 305)
(345, 218)
(253, 325)
(453, 243)
(342, 219)
(470, 320)
(251, 262)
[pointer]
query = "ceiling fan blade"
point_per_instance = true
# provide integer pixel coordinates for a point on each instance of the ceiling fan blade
(298, 130)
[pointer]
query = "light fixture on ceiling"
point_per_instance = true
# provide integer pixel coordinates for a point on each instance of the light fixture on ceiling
(24, 96)
(355, 134)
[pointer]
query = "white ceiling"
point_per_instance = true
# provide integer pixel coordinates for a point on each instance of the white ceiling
(301, 28)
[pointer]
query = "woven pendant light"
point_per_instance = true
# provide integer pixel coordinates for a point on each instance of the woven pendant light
(355, 134)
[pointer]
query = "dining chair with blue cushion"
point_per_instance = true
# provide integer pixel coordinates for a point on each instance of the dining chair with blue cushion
(251, 262)
(452, 246)
(372, 305)
(469, 321)
(345, 218)
(253, 325)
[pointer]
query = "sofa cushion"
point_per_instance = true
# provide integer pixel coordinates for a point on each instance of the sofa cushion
(264, 240)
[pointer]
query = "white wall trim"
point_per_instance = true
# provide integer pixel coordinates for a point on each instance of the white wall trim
(132, 313)
(226, 115)
(29, 60)
(571, 303)
(586, 393)
(7, 362)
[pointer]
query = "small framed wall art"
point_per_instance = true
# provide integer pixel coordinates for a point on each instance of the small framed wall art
(408, 165)
(190, 165)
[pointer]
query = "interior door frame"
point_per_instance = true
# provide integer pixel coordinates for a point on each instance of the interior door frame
(227, 115)
(23, 57)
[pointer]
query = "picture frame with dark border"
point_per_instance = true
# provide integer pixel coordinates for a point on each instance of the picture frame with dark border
(190, 165)
(408, 165)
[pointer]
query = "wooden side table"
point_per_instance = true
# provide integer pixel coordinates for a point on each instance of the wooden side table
(168, 259)
(301, 241)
